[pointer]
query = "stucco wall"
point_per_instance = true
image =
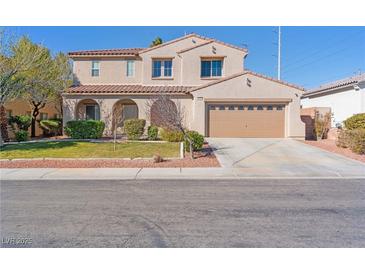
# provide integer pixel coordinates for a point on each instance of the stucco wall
(106, 103)
(344, 103)
(237, 88)
(22, 107)
(112, 71)
(233, 62)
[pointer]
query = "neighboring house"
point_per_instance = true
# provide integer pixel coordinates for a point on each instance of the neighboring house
(22, 107)
(345, 97)
(206, 76)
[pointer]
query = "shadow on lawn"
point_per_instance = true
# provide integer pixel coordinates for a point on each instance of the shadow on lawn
(36, 146)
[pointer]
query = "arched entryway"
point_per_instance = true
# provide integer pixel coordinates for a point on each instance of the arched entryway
(162, 112)
(87, 109)
(123, 110)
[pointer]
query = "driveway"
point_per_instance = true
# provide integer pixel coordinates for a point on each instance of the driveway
(282, 157)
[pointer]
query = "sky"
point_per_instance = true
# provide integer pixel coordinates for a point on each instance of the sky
(311, 56)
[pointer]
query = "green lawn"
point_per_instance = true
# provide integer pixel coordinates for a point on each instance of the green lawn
(88, 150)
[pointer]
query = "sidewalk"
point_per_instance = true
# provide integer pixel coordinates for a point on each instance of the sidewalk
(166, 173)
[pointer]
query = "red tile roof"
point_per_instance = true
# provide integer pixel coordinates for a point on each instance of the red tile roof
(127, 89)
(242, 73)
(349, 81)
(106, 52)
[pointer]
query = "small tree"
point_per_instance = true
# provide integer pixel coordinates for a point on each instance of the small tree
(322, 124)
(45, 80)
(156, 42)
(118, 119)
(13, 64)
(168, 115)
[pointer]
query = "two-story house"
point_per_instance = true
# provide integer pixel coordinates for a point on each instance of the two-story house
(205, 76)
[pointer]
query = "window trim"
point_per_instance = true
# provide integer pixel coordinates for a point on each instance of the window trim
(95, 69)
(211, 60)
(162, 68)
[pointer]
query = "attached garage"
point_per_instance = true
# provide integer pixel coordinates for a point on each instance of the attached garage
(247, 105)
(246, 120)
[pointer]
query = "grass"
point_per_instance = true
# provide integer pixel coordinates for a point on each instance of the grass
(88, 150)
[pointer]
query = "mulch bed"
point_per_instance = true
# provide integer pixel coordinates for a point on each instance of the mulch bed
(203, 158)
(330, 145)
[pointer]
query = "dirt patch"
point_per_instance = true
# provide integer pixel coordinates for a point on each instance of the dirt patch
(203, 158)
(330, 145)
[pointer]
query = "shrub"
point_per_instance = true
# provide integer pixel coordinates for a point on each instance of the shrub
(85, 129)
(342, 139)
(23, 122)
(357, 140)
(50, 127)
(152, 133)
(134, 128)
(21, 135)
(356, 121)
(172, 135)
(197, 140)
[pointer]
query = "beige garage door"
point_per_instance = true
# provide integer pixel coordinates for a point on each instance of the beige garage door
(251, 121)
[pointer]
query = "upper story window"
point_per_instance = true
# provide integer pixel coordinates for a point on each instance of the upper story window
(162, 68)
(95, 68)
(130, 68)
(211, 68)
(43, 116)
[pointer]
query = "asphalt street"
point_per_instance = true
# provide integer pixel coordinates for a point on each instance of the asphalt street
(183, 213)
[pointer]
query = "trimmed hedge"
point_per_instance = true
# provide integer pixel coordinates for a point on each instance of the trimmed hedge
(85, 129)
(197, 140)
(21, 135)
(23, 122)
(355, 122)
(134, 128)
(50, 127)
(172, 135)
(152, 132)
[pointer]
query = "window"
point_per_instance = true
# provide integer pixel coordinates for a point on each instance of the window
(260, 108)
(43, 116)
(212, 107)
(167, 68)
(240, 107)
(279, 108)
(211, 68)
(230, 107)
(221, 107)
(250, 108)
(162, 68)
(269, 108)
(95, 68)
(130, 68)
(9, 113)
(57, 116)
(92, 112)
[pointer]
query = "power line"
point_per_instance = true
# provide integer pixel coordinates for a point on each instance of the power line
(320, 50)
(314, 61)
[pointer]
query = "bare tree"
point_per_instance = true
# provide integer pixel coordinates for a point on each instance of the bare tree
(169, 115)
(118, 119)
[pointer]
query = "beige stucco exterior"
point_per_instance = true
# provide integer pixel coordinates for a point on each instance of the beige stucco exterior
(186, 54)
(22, 107)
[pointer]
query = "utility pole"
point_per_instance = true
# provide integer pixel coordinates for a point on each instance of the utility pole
(279, 52)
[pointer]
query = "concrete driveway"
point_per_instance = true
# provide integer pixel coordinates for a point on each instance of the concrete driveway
(282, 157)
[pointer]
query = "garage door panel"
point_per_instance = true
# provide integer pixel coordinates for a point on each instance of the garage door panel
(246, 123)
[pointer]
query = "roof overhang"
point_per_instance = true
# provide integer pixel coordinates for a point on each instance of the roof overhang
(249, 100)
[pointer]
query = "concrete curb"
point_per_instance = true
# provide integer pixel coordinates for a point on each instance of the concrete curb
(154, 173)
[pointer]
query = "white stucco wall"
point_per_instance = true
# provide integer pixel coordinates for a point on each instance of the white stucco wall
(344, 103)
